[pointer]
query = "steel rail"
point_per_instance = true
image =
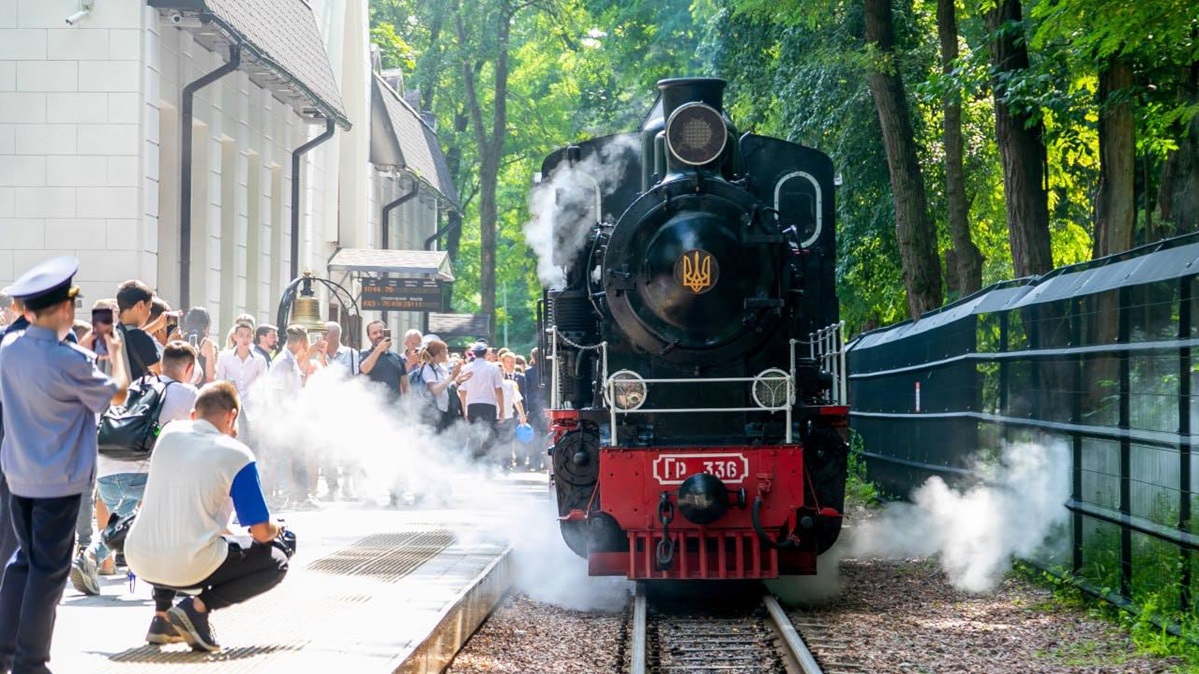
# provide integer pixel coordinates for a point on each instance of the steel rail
(638, 662)
(794, 642)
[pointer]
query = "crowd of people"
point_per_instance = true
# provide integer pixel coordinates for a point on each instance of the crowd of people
(58, 374)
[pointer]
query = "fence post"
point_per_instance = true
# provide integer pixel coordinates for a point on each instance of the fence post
(1003, 363)
(1124, 313)
(1076, 437)
(1184, 434)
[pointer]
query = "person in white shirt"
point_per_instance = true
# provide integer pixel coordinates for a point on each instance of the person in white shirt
(289, 371)
(336, 354)
(482, 397)
(199, 475)
(122, 483)
(241, 364)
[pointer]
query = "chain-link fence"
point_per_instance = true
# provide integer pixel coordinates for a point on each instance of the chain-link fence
(1096, 356)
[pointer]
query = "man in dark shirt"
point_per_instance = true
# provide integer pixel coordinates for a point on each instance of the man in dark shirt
(134, 300)
(381, 364)
(265, 339)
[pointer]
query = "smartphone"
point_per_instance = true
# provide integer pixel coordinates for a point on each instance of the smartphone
(102, 321)
(194, 340)
(386, 333)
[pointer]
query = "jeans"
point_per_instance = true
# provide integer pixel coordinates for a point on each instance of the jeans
(83, 521)
(244, 574)
(34, 580)
(121, 494)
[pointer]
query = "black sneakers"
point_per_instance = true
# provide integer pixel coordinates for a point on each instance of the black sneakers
(163, 632)
(194, 626)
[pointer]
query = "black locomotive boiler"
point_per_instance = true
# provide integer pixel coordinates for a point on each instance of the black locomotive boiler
(695, 382)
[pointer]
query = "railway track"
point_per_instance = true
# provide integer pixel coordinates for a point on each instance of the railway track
(759, 638)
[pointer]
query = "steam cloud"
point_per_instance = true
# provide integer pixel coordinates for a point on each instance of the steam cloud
(340, 421)
(564, 206)
(977, 531)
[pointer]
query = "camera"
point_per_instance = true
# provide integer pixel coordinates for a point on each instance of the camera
(286, 541)
(77, 17)
(181, 20)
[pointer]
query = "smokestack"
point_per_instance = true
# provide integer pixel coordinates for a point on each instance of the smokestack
(677, 91)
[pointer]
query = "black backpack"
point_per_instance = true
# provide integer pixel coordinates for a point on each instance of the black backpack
(128, 432)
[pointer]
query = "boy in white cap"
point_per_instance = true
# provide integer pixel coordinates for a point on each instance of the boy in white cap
(51, 390)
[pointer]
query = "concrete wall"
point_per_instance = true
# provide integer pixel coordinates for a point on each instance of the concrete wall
(71, 156)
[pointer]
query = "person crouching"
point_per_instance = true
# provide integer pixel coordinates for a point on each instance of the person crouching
(177, 540)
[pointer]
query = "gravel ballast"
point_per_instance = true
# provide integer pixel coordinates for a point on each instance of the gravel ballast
(901, 616)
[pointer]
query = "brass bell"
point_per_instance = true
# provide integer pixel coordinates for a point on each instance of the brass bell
(306, 310)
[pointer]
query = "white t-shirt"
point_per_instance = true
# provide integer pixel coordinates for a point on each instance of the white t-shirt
(180, 396)
(198, 476)
(435, 374)
(511, 397)
(243, 373)
(480, 388)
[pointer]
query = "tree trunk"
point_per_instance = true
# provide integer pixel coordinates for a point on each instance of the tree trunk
(1021, 137)
(968, 261)
(1178, 194)
(1115, 207)
(913, 229)
(453, 160)
(491, 148)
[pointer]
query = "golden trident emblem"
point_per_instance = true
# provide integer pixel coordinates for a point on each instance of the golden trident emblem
(697, 274)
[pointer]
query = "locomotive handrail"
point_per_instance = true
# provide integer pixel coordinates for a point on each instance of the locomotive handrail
(827, 347)
(786, 406)
(556, 336)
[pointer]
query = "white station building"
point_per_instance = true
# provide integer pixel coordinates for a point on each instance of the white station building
(95, 96)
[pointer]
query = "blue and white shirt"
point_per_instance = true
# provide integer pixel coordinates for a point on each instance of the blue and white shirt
(198, 478)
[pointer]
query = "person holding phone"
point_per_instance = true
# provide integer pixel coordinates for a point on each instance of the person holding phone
(382, 365)
(103, 317)
(413, 341)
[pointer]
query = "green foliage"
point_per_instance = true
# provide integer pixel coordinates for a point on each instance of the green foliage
(859, 490)
(796, 70)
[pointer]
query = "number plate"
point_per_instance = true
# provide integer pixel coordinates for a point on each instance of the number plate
(674, 468)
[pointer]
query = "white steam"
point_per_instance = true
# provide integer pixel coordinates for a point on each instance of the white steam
(977, 531)
(564, 206)
(384, 448)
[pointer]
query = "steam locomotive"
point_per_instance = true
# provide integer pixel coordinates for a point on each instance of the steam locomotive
(696, 380)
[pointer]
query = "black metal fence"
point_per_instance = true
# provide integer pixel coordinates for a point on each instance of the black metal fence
(1097, 356)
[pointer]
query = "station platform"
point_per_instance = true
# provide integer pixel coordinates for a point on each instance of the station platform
(370, 589)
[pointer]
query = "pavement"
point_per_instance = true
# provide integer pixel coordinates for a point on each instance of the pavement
(370, 589)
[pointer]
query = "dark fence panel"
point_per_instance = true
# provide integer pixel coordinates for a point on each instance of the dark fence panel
(1097, 355)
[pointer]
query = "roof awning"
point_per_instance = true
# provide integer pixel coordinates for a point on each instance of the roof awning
(428, 263)
(282, 48)
(402, 139)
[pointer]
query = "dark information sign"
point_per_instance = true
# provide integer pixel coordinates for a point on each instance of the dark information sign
(401, 294)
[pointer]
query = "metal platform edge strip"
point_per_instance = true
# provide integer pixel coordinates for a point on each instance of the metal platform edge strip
(459, 620)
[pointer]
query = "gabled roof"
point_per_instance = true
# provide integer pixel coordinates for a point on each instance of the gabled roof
(282, 48)
(402, 139)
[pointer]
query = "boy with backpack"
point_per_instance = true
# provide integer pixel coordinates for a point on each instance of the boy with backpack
(122, 481)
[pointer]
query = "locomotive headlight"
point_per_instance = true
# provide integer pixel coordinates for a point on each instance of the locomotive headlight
(626, 390)
(696, 134)
(773, 389)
